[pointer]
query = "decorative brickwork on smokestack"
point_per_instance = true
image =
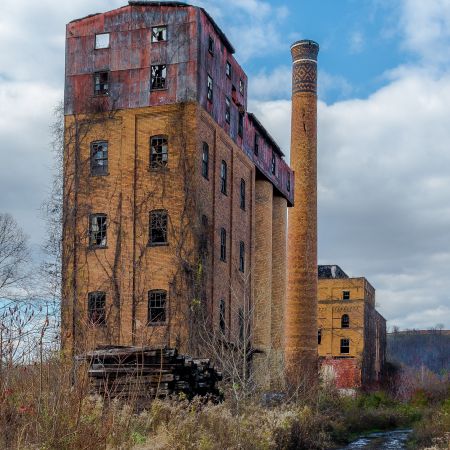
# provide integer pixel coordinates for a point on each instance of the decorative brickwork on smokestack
(301, 308)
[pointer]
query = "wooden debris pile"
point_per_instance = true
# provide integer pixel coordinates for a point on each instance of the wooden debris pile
(145, 373)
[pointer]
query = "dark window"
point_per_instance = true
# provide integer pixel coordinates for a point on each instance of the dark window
(158, 152)
(319, 336)
(241, 324)
(211, 45)
(159, 34)
(99, 158)
(159, 74)
(205, 160)
(97, 308)
(241, 87)
(97, 230)
(256, 145)
(222, 316)
(242, 194)
(209, 93)
(227, 110)
(241, 124)
(345, 345)
(288, 183)
(101, 40)
(274, 164)
(345, 295)
(345, 321)
(158, 227)
(157, 306)
(101, 83)
(223, 244)
(223, 177)
(241, 256)
(228, 70)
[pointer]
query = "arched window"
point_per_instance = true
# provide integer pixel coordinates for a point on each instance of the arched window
(158, 152)
(345, 321)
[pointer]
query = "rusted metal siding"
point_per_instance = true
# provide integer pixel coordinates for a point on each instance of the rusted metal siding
(189, 62)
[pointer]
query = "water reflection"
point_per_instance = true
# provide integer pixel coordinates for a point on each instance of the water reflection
(389, 440)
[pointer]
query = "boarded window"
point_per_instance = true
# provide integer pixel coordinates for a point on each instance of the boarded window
(256, 145)
(223, 244)
(241, 124)
(345, 321)
(159, 33)
(158, 152)
(228, 69)
(345, 295)
(209, 93)
(101, 83)
(157, 300)
(227, 110)
(205, 160)
(97, 308)
(101, 41)
(242, 196)
(345, 345)
(242, 256)
(223, 177)
(97, 230)
(222, 316)
(159, 74)
(99, 158)
(158, 227)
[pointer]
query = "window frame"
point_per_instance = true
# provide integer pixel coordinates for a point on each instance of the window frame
(161, 85)
(97, 315)
(96, 42)
(345, 295)
(223, 177)
(228, 69)
(227, 109)
(241, 86)
(210, 88)
(211, 44)
(157, 161)
(102, 91)
(162, 306)
(345, 321)
(163, 216)
(345, 344)
(242, 256)
(222, 316)
(157, 41)
(242, 194)
(94, 169)
(91, 231)
(205, 161)
(241, 124)
(223, 244)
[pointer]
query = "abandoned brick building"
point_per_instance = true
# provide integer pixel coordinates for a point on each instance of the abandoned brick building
(351, 332)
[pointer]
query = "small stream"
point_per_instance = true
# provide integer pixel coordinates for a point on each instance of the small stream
(387, 440)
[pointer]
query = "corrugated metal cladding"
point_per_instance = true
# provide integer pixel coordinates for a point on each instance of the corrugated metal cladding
(190, 58)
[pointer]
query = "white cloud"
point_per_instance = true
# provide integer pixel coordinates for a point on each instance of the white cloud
(356, 42)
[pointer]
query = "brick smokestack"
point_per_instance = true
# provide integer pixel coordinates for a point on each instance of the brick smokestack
(301, 308)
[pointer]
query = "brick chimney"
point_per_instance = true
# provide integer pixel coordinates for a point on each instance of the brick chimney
(301, 308)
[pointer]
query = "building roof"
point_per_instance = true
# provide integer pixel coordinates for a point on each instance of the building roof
(330, 272)
(265, 134)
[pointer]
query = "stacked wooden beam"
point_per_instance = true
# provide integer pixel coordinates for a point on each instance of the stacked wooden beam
(146, 373)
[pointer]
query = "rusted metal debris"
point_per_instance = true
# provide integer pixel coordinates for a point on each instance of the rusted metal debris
(146, 373)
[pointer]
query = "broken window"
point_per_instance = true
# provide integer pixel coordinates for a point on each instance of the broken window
(256, 145)
(241, 87)
(345, 295)
(241, 324)
(223, 244)
(209, 93)
(211, 45)
(159, 33)
(228, 69)
(205, 160)
(227, 110)
(101, 40)
(97, 230)
(222, 316)
(241, 124)
(345, 321)
(158, 227)
(101, 83)
(99, 158)
(158, 152)
(288, 183)
(274, 164)
(319, 336)
(242, 202)
(159, 74)
(97, 308)
(157, 306)
(241, 256)
(345, 345)
(223, 177)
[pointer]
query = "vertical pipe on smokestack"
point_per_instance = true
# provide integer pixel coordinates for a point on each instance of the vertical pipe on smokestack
(301, 308)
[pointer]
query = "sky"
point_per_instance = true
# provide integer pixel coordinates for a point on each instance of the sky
(383, 127)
